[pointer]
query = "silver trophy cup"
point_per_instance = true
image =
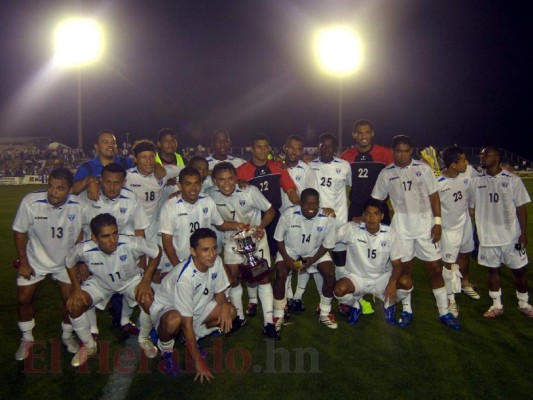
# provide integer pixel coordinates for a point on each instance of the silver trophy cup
(253, 269)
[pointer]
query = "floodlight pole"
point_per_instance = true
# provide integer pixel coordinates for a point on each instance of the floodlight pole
(80, 118)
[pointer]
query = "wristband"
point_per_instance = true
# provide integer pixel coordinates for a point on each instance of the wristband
(438, 221)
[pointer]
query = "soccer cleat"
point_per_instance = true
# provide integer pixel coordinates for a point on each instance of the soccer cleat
(353, 314)
(390, 315)
(270, 332)
(454, 309)
(297, 306)
(148, 348)
(170, 365)
(278, 323)
(450, 321)
(344, 310)
(328, 321)
(71, 344)
(493, 312)
(406, 318)
(237, 324)
(527, 310)
(83, 354)
(251, 309)
(366, 306)
(130, 329)
(470, 292)
(24, 350)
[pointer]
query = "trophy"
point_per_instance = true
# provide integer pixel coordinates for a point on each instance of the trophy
(253, 269)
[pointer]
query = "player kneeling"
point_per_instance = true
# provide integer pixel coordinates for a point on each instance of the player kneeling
(191, 299)
(112, 260)
(373, 264)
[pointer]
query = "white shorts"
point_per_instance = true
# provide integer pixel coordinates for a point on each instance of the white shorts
(375, 287)
(494, 257)
(59, 275)
(457, 241)
(232, 257)
(157, 311)
(311, 269)
(102, 295)
(421, 248)
(197, 322)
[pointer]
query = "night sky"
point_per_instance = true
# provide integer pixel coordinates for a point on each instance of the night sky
(442, 72)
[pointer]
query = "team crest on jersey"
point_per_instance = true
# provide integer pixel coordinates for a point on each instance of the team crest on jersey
(124, 257)
(205, 210)
(298, 178)
(319, 228)
(505, 184)
(71, 217)
(214, 275)
(338, 170)
(123, 210)
(465, 181)
(242, 202)
(418, 173)
(383, 243)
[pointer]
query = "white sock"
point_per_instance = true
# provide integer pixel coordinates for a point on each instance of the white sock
(203, 331)
(405, 297)
(252, 294)
(266, 296)
(279, 308)
(325, 305)
(91, 314)
(451, 298)
(26, 327)
(82, 327)
(442, 300)
(319, 282)
(496, 298)
(145, 323)
(303, 278)
(166, 347)
(235, 298)
(288, 286)
(126, 312)
(66, 330)
(340, 272)
(347, 299)
(447, 276)
(523, 299)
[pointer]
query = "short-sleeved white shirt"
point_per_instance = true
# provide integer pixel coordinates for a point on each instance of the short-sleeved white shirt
(113, 271)
(409, 189)
(180, 219)
(235, 161)
(368, 255)
(304, 177)
(302, 236)
(52, 231)
(453, 193)
(126, 208)
(332, 178)
(243, 205)
(495, 199)
(189, 290)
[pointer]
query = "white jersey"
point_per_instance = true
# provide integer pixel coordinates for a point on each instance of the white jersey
(188, 290)
(243, 205)
(333, 177)
(126, 208)
(180, 219)
(302, 236)
(235, 161)
(369, 255)
(409, 189)
(453, 193)
(52, 231)
(304, 177)
(112, 271)
(495, 199)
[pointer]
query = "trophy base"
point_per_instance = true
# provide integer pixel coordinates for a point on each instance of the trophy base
(256, 272)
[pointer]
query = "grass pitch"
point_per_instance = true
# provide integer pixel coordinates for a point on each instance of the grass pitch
(489, 359)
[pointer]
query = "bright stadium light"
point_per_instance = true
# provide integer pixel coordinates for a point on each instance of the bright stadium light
(339, 51)
(78, 41)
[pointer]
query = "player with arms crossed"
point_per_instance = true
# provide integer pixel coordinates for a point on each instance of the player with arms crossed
(112, 260)
(304, 232)
(245, 206)
(499, 199)
(47, 225)
(413, 190)
(373, 263)
(192, 299)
